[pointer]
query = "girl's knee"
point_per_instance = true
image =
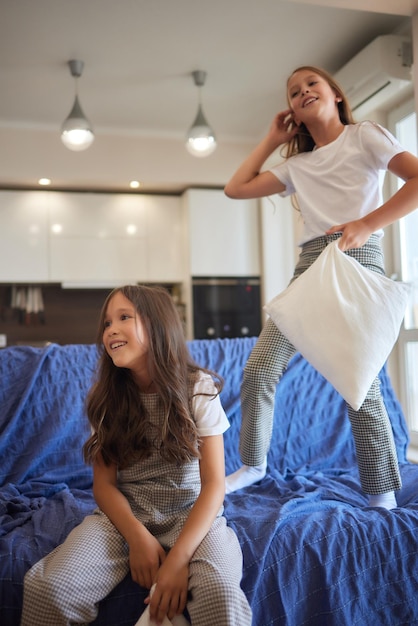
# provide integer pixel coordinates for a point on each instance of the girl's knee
(217, 581)
(263, 366)
(31, 582)
(259, 370)
(36, 581)
(39, 606)
(226, 599)
(374, 392)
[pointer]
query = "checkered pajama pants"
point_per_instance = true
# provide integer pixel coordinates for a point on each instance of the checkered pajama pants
(65, 587)
(371, 427)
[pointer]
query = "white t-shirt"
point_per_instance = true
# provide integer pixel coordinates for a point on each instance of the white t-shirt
(208, 412)
(341, 181)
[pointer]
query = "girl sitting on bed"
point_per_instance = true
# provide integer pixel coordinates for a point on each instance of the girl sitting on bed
(333, 167)
(159, 481)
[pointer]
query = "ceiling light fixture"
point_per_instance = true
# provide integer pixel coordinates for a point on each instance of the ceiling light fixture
(200, 139)
(76, 131)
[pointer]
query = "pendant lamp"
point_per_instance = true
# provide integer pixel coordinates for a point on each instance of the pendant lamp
(200, 139)
(76, 131)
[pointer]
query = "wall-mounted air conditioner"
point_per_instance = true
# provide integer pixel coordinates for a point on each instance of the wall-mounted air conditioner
(377, 73)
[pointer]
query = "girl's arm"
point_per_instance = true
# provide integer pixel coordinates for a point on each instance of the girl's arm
(248, 182)
(170, 595)
(145, 552)
(404, 201)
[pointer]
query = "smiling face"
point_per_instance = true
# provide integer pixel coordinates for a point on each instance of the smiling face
(311, 97)
(125, 338)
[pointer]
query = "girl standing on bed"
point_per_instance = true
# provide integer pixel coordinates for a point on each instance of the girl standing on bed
(333, 167)
(158, 479)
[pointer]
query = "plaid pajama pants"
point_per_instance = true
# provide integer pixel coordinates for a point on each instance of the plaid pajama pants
(66, 586)
(371, 427)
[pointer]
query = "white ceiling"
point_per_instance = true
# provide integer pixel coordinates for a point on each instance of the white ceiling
(139, 55)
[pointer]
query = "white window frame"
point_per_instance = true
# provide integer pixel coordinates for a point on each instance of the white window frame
(406, 335)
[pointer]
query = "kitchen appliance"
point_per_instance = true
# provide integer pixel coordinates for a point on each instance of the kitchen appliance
(226, 307)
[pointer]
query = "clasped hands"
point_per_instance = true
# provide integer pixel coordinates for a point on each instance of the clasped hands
(150, 564)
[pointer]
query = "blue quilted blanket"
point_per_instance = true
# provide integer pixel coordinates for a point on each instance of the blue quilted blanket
(314, 553)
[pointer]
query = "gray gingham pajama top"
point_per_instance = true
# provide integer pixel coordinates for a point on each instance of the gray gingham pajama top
(65, 587)
(371, 427)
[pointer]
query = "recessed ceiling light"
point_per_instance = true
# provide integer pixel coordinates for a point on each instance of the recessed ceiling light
(134, 184)
(44, 181)
(131, 229)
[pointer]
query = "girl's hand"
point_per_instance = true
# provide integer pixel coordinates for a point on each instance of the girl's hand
(283, 127)
(170, 594)
(145, 558)
(354, 234)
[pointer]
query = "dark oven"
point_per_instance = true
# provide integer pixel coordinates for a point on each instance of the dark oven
(226, 307)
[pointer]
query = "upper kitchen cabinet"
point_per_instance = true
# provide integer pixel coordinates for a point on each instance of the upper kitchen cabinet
(115, 238)
(223, 234)
(98, 238)
(23, 236)
(91, 239)
(166, 240)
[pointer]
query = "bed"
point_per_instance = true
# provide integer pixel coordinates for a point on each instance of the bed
(314, 553)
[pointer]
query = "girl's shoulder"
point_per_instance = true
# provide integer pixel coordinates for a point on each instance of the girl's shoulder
(375, 142)
(203, 382)
(370, 128)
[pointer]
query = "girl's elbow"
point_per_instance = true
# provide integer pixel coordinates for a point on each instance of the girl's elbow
(235, 193)
(229, 192)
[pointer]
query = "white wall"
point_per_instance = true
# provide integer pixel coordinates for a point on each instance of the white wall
(278, 249)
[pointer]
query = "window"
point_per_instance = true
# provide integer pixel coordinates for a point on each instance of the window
(403, 124)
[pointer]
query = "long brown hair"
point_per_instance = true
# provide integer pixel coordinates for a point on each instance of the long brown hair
(302, 141)
(122, 432)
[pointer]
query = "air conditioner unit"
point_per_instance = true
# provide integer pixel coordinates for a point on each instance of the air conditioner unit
(377, 73)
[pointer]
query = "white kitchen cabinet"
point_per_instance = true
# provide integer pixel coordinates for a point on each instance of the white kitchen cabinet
(115, 238)
(166, 240)
(98, 215)
(223, 234)
(97, 262)
(97, 238)
(23, 236)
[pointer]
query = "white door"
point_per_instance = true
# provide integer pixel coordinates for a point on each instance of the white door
(403, 124)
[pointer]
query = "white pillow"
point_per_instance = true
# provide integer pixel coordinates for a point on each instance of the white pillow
(343, 318)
